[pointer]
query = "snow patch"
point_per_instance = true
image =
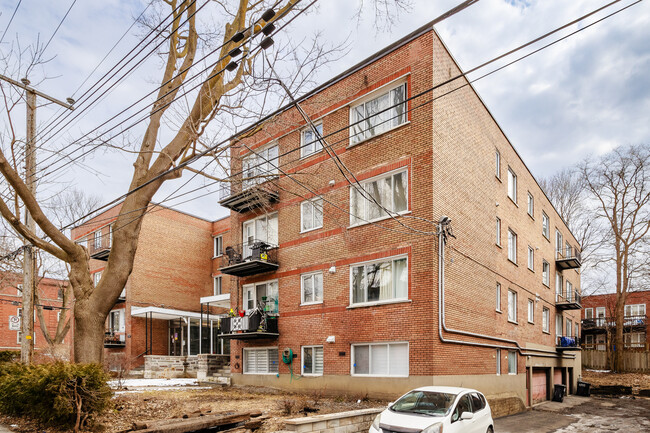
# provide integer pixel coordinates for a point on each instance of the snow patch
(598, 371)
(153, 383)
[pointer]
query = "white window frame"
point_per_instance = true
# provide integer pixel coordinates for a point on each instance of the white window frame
(569, 291)
(589, 313)
(512, 185)
(499, 297)
(589, 341)
(97, 239)
(392, 259)
(217, 285)
(531, 311)
(512, 246)
(305, 148)
(512, 312)
(627, 312)
(316, 205)
(388, 344)
(546, 226)
(498, 362)
(217, 247)
(546, 273)
(497, 163)
(247, 350)
(97, 276)
(568, 327)
(637, 342)
(559, 285)
(261, 164)
(531, 205)
(302, 360)
(256, 237)
(512, 354)
(311, 275)
(559, 244)
(374, 95)
(546, 319)
(358, 220)
(600, 320)
(558, 325)
(531, 258)
(498, 230)
(245, 296)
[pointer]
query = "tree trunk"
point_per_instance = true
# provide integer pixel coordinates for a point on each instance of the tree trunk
(88, 334)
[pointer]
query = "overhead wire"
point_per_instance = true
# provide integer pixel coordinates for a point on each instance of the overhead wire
(10, 21)
(58, 27)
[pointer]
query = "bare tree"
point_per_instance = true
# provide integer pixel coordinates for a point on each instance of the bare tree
(619, 183)
(158, 155)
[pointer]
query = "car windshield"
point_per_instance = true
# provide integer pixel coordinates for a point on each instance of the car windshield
(425, 402)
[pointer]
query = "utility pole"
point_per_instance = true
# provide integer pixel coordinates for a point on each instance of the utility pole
(29, 260)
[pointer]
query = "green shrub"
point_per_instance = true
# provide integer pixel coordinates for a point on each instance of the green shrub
(9, 355)
(59, 393)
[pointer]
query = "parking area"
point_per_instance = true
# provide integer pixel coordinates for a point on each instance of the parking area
(581, 414)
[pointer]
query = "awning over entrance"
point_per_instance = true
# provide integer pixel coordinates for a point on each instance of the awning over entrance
(217, 300)
(163, 313)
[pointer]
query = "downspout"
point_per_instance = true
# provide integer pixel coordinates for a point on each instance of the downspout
(443, 231)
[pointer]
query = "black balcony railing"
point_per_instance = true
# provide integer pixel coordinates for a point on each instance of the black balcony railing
(256, 325)
(638, 321)
(242, 196)
(567, 343)
(247, 259)
(114, 339)
(568, 301)
(100, 247)
(568, 258)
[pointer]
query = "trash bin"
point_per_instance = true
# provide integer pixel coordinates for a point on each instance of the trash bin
(559, 392)
(584, 389)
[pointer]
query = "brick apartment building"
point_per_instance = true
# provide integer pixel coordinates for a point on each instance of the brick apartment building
(598, 320)
(158, 312)
(50, 298)
(344, 289)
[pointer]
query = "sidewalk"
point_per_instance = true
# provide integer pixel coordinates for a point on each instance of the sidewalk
(4, 429)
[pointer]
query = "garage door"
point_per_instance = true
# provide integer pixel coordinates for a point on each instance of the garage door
(557, 380)
(539, 385)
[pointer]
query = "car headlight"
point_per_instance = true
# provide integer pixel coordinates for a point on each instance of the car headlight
(375, 423)
(435, 428)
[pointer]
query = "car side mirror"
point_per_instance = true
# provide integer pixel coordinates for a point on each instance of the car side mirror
(466, 415)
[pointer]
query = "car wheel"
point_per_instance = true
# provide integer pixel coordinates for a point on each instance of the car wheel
(490, 430)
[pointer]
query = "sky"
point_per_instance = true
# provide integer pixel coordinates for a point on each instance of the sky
(584, 95)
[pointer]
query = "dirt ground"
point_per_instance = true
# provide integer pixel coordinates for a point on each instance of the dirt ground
(150, 405)
(635, 380)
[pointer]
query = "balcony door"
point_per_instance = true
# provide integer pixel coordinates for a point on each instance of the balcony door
(262, 229)
(600, 316)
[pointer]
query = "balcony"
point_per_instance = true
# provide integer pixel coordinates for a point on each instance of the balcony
(567, 343)
(122, 297)
(629, 323)
(250, 194)
(100, 248)
(256, 325)
(570, 302)
(114, 339)
(248, 259)
(568, 259)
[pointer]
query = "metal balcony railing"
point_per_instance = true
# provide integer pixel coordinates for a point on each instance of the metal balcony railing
(251, 258)
(568, 301)
(610, 322)
(114, 339)
(568, 258)
(243, 195)
(99, 247)
(257, 324)
(567, 343)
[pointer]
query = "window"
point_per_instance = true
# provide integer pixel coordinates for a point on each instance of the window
(310, 142)
(96, 277)
(512, 362)
(97, 239)
(499, 297)
(567, 250)
(312, 360)
(589, 313)
(462, 406)
(531, 204)
(569, 327)
(512, 306)
(253, 294)
(380, 359)
(312, 288)
(261, 229)
(512, 185)
(259, 165)
(589, 341)
(546, 271)
(558, 286)
(577, 331)
(635, 310)
(389, 194)
(634, 339)
(497, 160)
(558, 325)
(531, 258)
(379, 281)
(218, 246)
(546, 226)
(600, 316)
(216, 285)
(531, 311)
(498, 362)
(498, 231)
(512, 246)
(19, 289)
(569, 291)
(558, 244)
(375, 116)
(261, 361)
(311, 214)
(116, 321)
(546, 318)
(600, 342)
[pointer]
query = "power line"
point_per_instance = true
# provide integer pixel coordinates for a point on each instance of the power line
(10, 21)
(58, 27)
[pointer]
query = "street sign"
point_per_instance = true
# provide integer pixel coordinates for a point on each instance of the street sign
(14, 323)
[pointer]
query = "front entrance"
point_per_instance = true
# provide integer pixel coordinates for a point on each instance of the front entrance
(177, 332)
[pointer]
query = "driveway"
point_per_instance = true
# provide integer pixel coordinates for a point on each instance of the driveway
(580, 415)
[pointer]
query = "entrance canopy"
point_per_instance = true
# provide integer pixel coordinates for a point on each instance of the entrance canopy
(217, 300)
(163, 313)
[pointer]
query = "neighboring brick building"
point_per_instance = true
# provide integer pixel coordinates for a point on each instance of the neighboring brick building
(598, 318)
(158, 312)
(50, 297)
(354, 293)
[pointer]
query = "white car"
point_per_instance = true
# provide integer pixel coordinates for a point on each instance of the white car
(436, 409)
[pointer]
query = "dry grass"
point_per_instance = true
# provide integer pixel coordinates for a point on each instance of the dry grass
(624, 379)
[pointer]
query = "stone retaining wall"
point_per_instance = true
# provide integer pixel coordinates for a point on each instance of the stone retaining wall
(201, 366)
(342, 422)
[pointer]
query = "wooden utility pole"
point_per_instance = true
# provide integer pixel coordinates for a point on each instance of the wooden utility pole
(29, 260)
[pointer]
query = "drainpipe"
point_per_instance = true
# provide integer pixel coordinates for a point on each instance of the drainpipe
(444, 230)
